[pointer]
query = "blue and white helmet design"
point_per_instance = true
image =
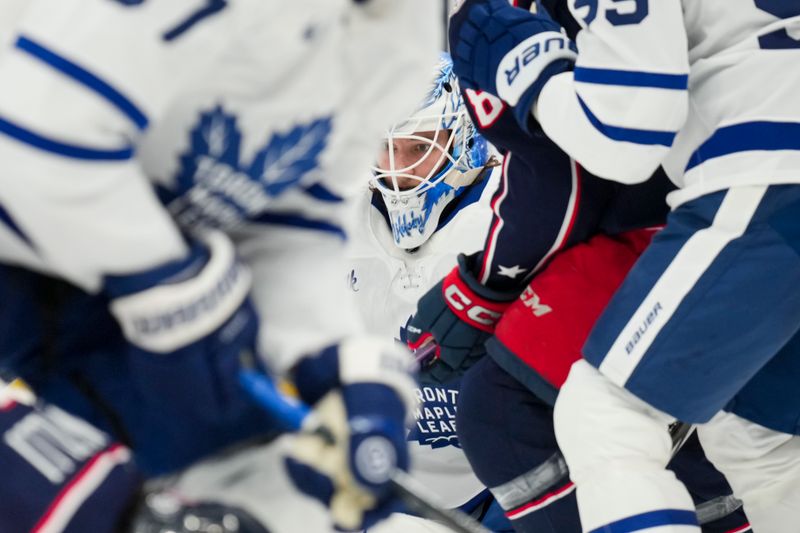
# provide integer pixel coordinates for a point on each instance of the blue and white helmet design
(449, 147)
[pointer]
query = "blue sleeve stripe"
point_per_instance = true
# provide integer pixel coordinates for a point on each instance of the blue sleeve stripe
(171, 272)
(214, 6)
(63, 149)
(299, 221)
(745, 137)
(616, 133)
(639, 522)
(323, 194)
(86, 78)
(629, 78)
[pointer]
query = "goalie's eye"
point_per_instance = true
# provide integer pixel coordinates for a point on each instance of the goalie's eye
(421, 148)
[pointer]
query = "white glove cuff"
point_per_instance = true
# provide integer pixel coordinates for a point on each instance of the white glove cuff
(167, 317)
(375, 360)
(524, 63)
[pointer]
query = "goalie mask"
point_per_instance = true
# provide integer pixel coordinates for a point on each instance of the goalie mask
(429, 160)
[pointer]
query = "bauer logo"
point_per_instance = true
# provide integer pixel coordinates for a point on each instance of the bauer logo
(215, 187)
(641, 330)
(521, 67)
(435, 417)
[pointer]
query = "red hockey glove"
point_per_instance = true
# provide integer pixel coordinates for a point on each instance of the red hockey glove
(459, 314)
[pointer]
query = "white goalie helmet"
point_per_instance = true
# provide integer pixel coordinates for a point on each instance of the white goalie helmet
(429, 160)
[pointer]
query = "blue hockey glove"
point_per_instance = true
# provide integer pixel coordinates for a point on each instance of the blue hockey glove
(190, 324)
(361, 392)
(459, 314)
(508, 52)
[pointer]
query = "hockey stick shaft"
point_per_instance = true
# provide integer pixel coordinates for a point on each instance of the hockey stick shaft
(424, 354)
(296, 416)
(708, 511)
(679, 432)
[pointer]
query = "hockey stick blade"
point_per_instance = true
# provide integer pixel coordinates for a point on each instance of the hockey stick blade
(296, 416)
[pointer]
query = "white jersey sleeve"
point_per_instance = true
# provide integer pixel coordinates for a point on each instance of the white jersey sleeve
(619, 111)
(744, 122)
(10, 13)
(83, 80)
(708, 89)
(278, 99)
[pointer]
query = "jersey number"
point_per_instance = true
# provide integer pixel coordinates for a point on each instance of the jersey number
(640, 10)
(779, 39)
(487, 107)
(211, 7)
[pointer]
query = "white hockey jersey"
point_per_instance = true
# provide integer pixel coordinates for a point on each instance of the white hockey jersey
(386, 283)
(707, 88)
(247, 114)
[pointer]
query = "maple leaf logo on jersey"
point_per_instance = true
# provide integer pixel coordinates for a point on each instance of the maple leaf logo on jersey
(435, 417)
(214, 187)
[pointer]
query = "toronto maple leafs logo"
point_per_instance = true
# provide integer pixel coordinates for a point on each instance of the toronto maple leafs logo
(435, 417)
(214, 187)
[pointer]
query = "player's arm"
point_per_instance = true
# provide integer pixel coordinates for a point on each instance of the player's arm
(533, 217)
(620, 108)
(543, 204)
(545, 200)
(71, 192)
(615, 106)
(84, 81)
(59, 469)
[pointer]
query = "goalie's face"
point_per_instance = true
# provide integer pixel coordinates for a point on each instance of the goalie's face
(407, 161)
(428, 160)
(409, 173)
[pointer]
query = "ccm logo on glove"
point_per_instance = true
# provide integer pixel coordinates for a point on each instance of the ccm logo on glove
(481, 314)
